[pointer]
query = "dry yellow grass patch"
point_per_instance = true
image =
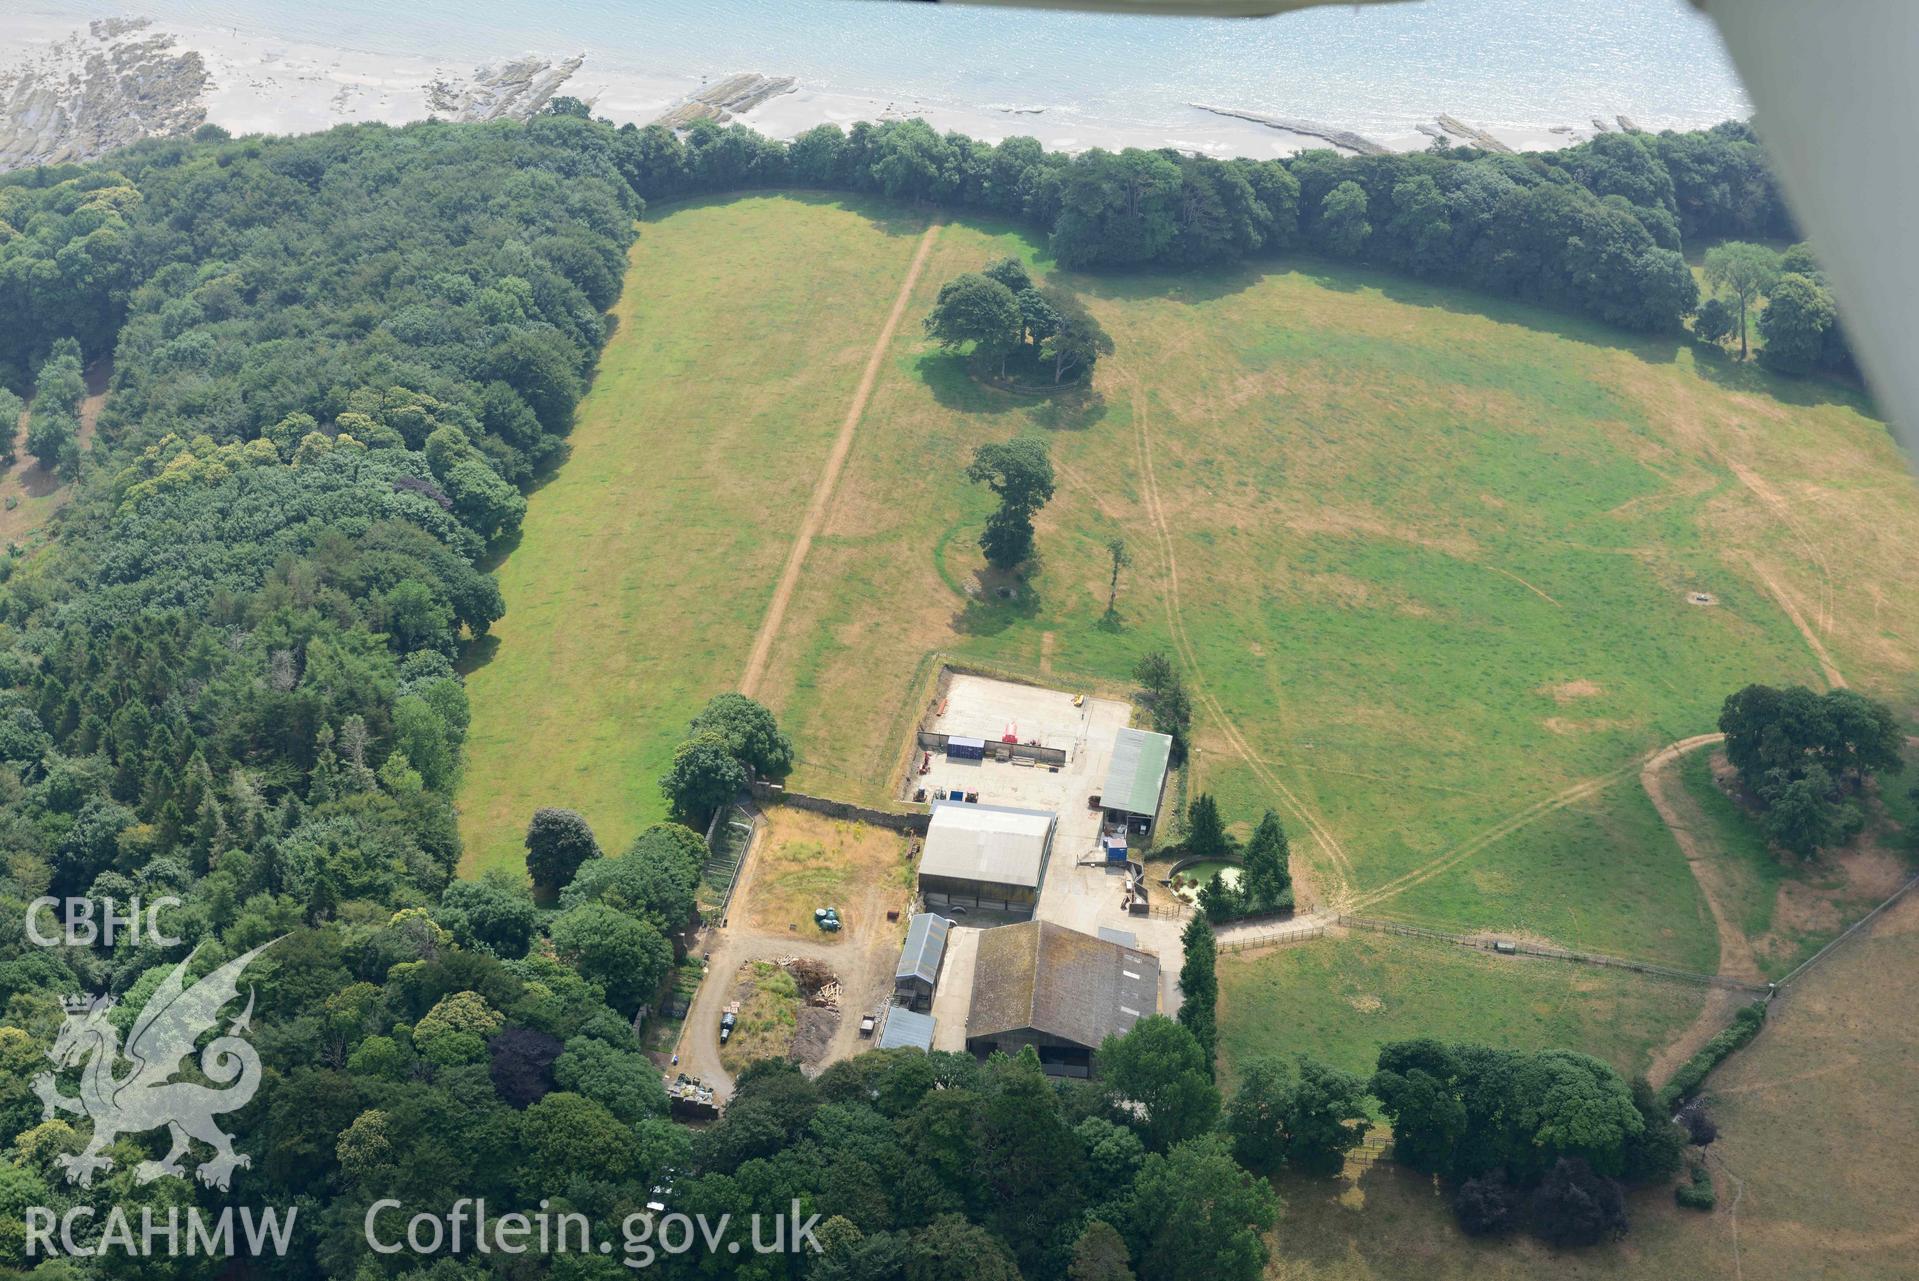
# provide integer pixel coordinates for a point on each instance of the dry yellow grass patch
(806, 861)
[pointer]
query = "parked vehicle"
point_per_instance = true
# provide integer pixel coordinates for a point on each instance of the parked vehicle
(727, 1020)
(867, 1023)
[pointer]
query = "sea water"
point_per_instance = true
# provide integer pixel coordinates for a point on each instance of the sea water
(1495, 63)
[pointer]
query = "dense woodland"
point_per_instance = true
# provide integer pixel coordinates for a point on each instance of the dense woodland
(230, 676)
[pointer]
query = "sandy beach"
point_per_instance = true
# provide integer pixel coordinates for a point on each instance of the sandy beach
(69, 94)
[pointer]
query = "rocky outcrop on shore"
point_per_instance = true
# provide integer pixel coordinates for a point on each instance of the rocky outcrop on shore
(502, 91)
(1477, 137)
(1345, 139)
(102, 88)
(726, 98)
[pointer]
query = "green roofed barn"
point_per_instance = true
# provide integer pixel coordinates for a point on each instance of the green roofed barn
(1136, 779)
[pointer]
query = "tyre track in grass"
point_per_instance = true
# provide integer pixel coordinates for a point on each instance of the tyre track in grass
(829, 477)
(1580, 791)
(1342, 869)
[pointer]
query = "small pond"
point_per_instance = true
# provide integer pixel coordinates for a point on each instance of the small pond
(1189, 880)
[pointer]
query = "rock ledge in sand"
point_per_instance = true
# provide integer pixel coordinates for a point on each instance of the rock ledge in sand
(502, 91)
(100, 89)
(726, 98)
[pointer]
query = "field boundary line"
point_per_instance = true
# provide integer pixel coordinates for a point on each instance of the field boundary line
(830, 475)
(1851, 930)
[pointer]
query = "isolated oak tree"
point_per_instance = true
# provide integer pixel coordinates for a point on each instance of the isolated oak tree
(1121, 559)
(557, 842)
(1021, 474)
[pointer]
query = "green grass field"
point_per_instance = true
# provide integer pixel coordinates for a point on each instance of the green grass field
(1425, 558)
(1340, 999)
(646, 562)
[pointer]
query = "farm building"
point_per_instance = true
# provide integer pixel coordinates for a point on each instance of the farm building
(984, 858)
(906, 1028)
(1136, 779)
(919, 966)
(1057, 990)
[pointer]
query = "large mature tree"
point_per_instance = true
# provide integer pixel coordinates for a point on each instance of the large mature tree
(557, 842)
(1160, 1067)
(1343, 223)
(493, 912)
(752, 735)
(1020, 472)
(1744, 271)
(1255, 1119)
(976, 309)
(622, 1080)
(1326, 1117)
(53, 427)
(1807, 814)
(1417, 1087)
(625, 956)
(1805, 754)
(1117, 209)
(1577, 1206)
(1199, 1216)
(520, 1061)
(1038, 316)
(1715, 321)
(1077, 340)
(1306, 1118)
(1010, 272)
(655, 880)
(704, 775)
(1421, 228)
(1796, 324)
(565, 1135)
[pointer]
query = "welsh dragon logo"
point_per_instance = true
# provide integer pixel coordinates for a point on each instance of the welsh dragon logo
(145, 1097)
